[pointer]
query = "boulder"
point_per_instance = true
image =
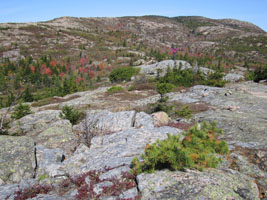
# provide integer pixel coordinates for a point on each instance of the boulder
(49, 162)
(233, 77)
(106, 122)
(143, 120)
(160, 118)
(58, 137)
(17, 160)
(191, 185)
(163, 66)
(34, 123)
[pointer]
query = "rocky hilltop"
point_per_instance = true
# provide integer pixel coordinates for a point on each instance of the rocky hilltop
(99, 37)
(101, 93)
(51, 159)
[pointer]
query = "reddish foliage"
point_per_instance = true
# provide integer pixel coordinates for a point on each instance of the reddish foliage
(79, 79)
(46, 71)
(91, 74)
(100, 67)
(79, 180)
(82, 61)
(93, 67)
(32, 68)
(85, 70)
(82, 191)
(68, 67)
(43, 66)
(53, 63)
(62, 74)
(32, 192)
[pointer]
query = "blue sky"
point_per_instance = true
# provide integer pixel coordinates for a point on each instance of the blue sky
(254, 11)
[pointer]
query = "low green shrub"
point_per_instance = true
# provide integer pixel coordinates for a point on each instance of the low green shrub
(115, 89)
(188, 78)
(260, 74)
(196, 151)
(215, 80)
(123, 74)
(73, 115)
(185, 112)
(27, 96)
(163, 88)
(130, 88)
(20, 111)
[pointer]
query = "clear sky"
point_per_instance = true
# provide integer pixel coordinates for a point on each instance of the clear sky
(254, 11)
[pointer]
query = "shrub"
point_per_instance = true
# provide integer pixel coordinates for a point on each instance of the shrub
(115, 89)
(196, 151)
(20, 111)
(188, 78)
(73, 115)
(27, 96)
(163, 88)
(260, 74)
(215, 80)
(130, 88)
(122, 74)
(185, 112)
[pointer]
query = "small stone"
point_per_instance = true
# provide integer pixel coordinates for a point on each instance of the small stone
(260, 154)
(160, 118)
(205, 94)
(233, 108)
(129, 194)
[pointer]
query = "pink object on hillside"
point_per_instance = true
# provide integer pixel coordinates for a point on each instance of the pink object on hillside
(175, 50)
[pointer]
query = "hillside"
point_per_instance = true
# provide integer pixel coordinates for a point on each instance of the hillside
(99, 38)
(102, 108)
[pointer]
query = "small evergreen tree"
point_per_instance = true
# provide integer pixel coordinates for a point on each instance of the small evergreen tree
(20, 111)
(73, 115)
(163, 88)
(27, 96)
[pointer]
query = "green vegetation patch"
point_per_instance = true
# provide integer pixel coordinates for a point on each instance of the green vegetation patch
(115, 89)
(196, 151)
(123, 74)
(72, 114)
(20, 111)
(185, 112)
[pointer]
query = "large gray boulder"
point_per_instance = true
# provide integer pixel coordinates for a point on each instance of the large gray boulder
(58, 137)
(106, 122)
(17, 160)
(210, 184)
(48, 129)
(163, 66)
(34, 123)
(49, 161)
(233, 77)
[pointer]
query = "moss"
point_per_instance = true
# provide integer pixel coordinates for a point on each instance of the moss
(42, 177)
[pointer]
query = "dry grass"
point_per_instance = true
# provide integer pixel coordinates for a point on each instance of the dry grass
(52, 100)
